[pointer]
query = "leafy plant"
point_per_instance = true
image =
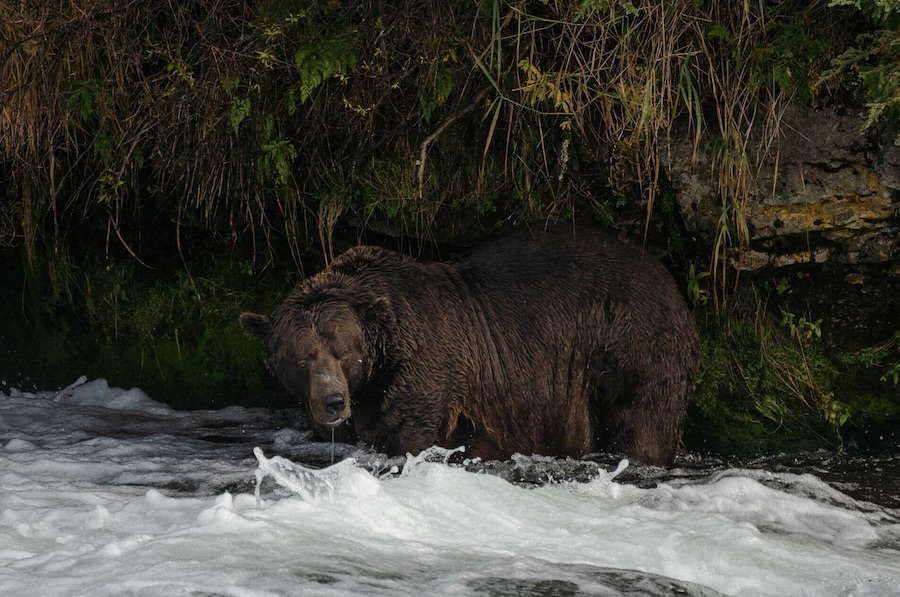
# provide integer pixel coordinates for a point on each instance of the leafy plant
(801, 329)
(892, 372)
(885, 355)
(540, 87)
(240, 109)
(320, 61)
(277, 157)
(83, 96)
(697, 293)
(759, 374)
(434, 96)
(875, 59)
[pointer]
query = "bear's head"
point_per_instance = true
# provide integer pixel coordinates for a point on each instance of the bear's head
(317, 351)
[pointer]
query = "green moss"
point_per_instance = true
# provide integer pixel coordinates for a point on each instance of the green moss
(761, 387)
(173, 335)
(209, 367)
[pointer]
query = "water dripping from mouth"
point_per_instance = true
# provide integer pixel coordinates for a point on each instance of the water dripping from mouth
(332, 446)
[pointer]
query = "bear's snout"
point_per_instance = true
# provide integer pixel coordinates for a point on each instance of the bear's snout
(328, 399)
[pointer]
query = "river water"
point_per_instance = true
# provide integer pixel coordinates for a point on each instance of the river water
(106, 492)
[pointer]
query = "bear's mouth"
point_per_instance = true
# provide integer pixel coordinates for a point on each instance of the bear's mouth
(332, 410)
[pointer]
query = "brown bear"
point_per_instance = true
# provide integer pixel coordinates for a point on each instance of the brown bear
(557, 342)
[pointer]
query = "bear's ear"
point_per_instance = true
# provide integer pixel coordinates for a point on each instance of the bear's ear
(255, 325)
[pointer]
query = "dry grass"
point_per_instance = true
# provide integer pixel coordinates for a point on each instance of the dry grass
(619, 77)
(239, 117)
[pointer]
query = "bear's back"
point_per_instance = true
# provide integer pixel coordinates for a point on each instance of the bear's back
(577, 266)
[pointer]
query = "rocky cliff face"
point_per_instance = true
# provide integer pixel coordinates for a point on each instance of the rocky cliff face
(824, 200)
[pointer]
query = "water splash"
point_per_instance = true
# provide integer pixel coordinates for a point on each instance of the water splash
(434, 454)
(343, 478)
(307, 483)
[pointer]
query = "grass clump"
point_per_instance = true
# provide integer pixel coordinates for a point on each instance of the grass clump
(764, 386)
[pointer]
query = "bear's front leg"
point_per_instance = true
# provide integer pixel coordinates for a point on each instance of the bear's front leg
(406, 427)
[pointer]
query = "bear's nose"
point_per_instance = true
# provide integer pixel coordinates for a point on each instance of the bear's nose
(334, 404)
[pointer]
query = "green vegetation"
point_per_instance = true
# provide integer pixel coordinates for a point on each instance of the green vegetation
(174, 336)
(158, 162)
(239, 118)
(885, 355)
(874, 59)
(773, 380)
(765, 385)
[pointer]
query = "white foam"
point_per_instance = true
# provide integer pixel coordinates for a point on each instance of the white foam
(98, 393)
(100, 501)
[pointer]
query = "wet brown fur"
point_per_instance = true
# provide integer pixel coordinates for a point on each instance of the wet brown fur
(558, 343)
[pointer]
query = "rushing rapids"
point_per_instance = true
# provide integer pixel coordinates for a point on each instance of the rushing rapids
(107, 492)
